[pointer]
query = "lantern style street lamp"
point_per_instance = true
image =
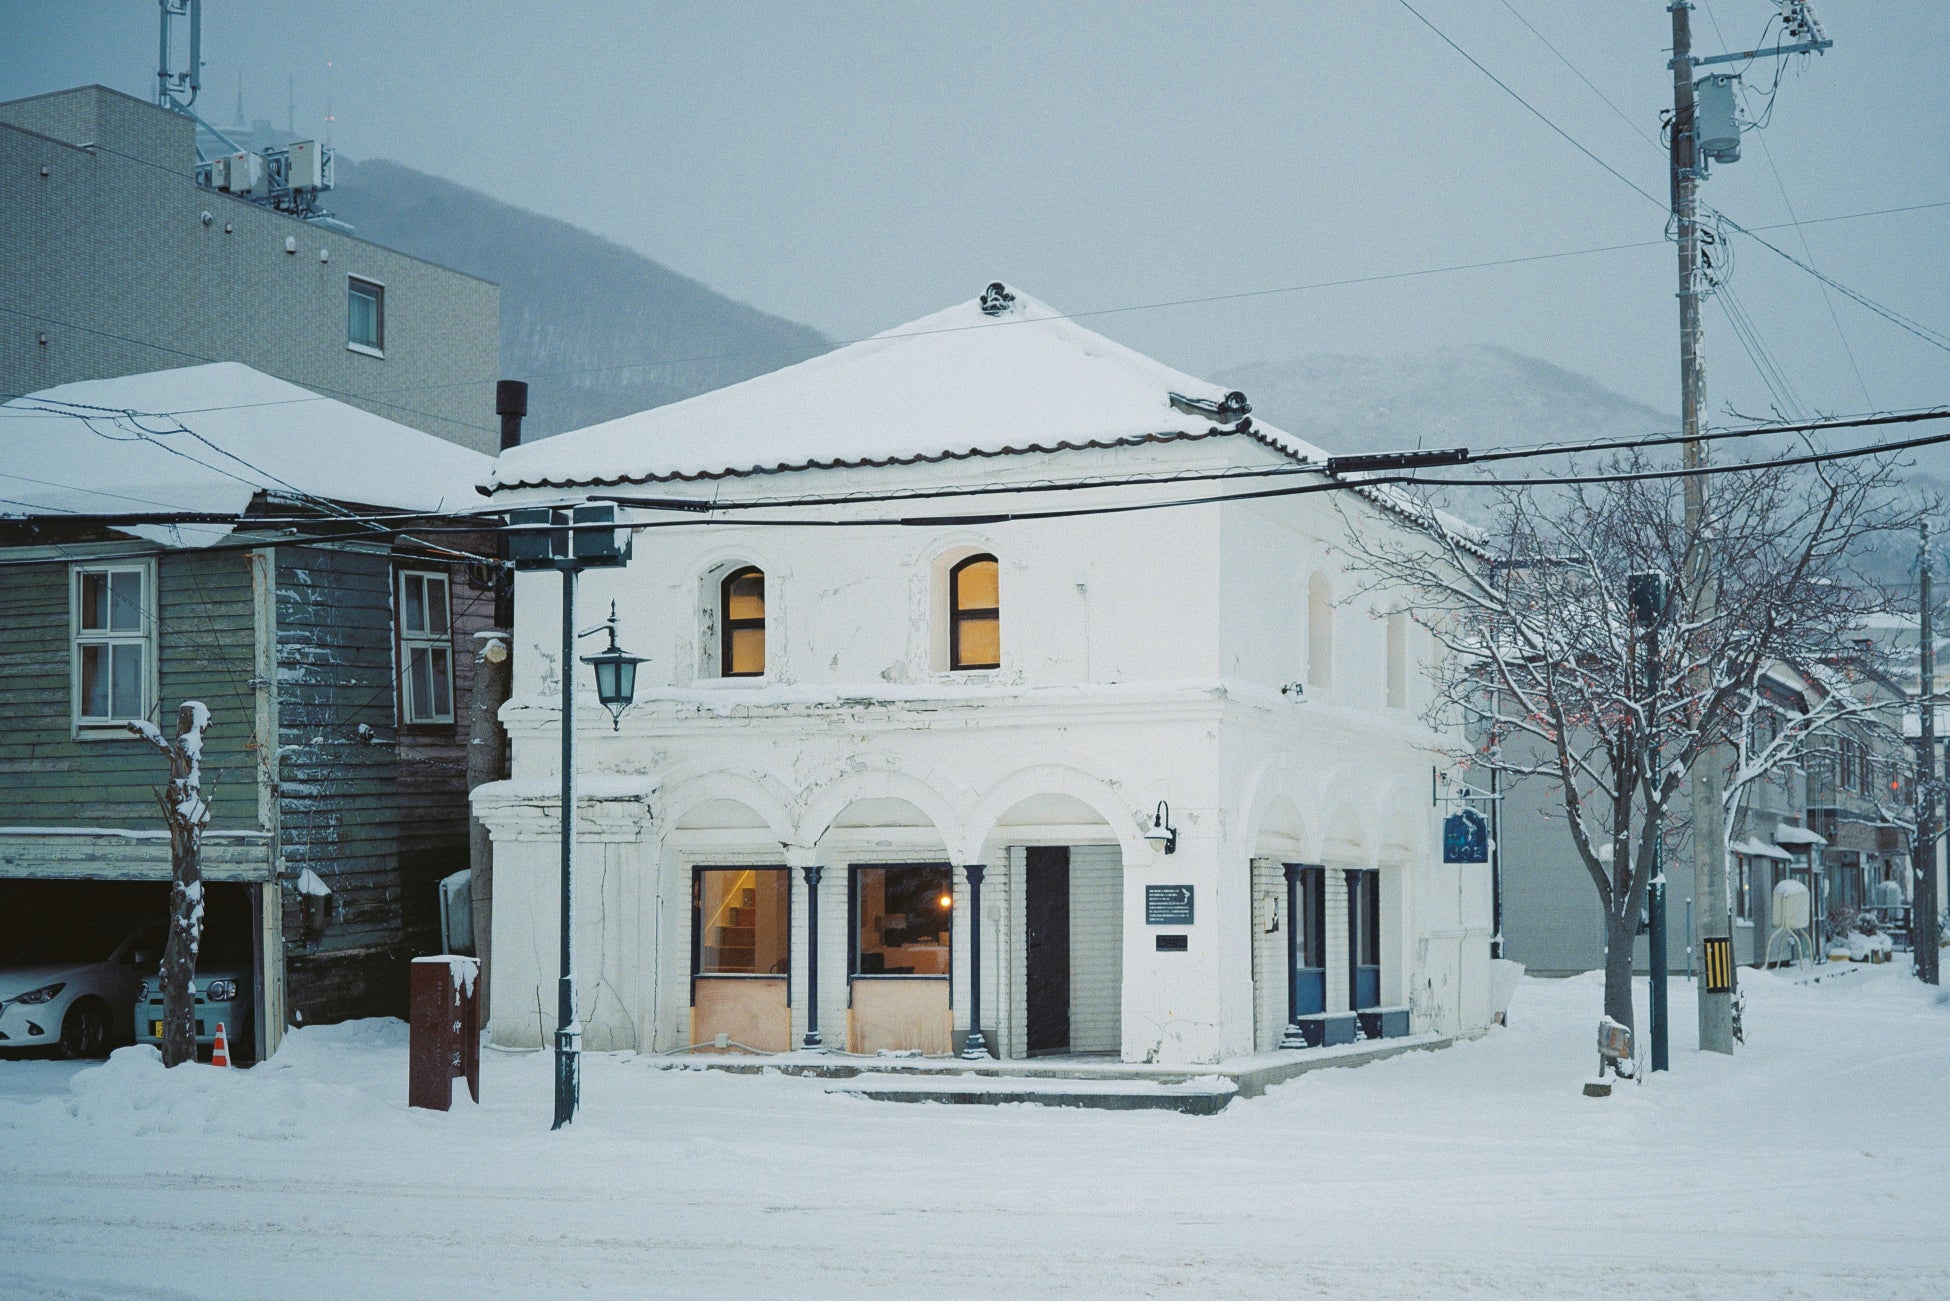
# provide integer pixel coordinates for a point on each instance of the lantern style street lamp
(570, 541)
(615, 672)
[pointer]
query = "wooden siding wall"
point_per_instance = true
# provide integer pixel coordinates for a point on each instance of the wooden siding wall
(204, 642)
(378, 817)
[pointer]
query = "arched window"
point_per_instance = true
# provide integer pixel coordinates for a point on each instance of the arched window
(1397, 661)
(974, 614)
(1320, 632)
(741, 621)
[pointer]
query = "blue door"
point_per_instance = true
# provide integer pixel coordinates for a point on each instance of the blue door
(1309, 994)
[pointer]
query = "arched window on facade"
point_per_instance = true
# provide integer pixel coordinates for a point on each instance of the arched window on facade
(1397, 661)
(741, 620)
(975, 614)
(1320, 632)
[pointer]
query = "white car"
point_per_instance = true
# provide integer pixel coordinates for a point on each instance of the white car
(74, 990)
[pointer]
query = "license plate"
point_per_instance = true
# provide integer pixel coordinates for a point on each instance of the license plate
(155, 1030)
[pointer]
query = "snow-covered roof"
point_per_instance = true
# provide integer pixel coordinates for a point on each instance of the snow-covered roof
(206, 440)
(1760, 849)
(963, 382)
(1790, 835)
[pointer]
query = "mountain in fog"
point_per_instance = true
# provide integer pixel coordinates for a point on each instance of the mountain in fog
(1476, 396)
(598, 330)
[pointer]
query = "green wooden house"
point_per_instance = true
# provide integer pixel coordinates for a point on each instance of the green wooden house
(214, 534)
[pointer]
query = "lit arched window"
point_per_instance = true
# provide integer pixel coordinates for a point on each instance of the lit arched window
(1397, 661)
(742, 621)
(1320, 632)
(974, 615)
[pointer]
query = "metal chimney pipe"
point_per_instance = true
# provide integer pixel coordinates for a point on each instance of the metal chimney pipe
(511, 404)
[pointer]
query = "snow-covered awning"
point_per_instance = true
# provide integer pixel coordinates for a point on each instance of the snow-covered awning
(1760, 849)
(1787, 835)
(205, 440)
(993, 376)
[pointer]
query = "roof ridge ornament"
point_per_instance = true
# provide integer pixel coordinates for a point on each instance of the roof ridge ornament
(997, 299)
(1230, 409)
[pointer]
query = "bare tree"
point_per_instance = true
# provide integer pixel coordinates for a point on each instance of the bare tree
(186, 813)
(1557, 673)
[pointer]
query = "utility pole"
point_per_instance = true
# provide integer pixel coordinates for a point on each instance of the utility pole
(1709, 818)
(1923, 904)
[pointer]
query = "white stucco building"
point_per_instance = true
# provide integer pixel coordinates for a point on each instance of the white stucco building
(850, 703)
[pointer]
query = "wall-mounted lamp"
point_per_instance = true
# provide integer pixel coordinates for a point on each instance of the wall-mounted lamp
(1298, 690)
(1162, 832)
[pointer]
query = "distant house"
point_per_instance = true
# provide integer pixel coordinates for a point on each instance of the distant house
(1168, 766)
(201, 533)
(1833, 816)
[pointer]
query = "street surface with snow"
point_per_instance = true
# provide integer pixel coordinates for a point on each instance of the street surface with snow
(1815, 1163)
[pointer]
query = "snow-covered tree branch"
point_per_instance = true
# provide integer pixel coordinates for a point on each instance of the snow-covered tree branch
(186, 813)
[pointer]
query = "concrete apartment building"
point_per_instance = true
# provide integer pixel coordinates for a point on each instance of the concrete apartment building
(117, 262)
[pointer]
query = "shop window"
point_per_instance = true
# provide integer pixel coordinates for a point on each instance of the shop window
(901, 920)
(975, 614)
(741, 623)
(1320, 632)
(426, 648)
(365, 315)
(741, 921)
(1743, 888)
(113, 624)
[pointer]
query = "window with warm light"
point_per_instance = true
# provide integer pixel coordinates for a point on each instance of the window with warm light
(975, 614)
(902, 917)
(741, 618)
(741, 921)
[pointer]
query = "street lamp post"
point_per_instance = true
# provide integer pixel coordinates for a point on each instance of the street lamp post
(570, 541)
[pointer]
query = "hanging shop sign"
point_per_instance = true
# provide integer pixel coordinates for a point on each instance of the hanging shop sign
(1465, 837)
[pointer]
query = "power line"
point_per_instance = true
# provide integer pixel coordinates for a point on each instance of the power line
(1532, 109)
(197, 356)
(1592, 86)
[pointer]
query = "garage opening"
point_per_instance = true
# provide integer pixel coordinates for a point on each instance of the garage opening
(87, 923)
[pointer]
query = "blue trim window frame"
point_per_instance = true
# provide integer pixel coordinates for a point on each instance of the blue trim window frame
(1310, 980)
(698, 874)
(1363, 938)
(922, 888)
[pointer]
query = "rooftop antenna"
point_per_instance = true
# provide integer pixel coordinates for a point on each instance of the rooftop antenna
(241, 119)
(171, 85)
(290, 105)
(330, 117)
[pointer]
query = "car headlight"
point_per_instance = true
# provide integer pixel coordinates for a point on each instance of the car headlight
(220, 991)
(44, 994)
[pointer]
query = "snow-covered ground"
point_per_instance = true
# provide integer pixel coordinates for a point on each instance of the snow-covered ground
(1816, 1163)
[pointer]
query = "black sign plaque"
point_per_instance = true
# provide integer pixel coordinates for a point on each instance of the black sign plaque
(1167, 905)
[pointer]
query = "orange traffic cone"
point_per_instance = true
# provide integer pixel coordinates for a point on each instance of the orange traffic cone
(220, 1054)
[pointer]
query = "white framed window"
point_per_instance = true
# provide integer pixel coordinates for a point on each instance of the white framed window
(112, 621)
(365, 316)
(426, 644)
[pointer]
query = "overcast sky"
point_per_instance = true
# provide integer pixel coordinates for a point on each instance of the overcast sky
(853, 166)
